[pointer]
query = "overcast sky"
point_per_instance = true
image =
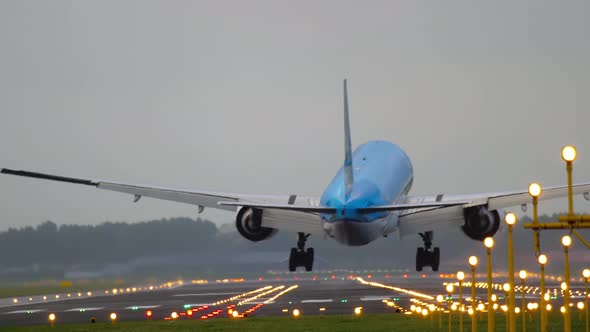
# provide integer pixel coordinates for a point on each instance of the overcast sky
(246, 96)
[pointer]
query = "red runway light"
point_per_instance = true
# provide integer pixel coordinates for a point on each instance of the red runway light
(149, 314)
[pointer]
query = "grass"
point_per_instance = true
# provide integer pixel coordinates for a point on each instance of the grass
(368, 322)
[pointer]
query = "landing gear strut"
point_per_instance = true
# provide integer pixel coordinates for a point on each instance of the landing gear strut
(299, 256)
(425, 256)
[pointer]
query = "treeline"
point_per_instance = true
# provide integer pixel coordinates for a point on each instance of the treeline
(109, 242)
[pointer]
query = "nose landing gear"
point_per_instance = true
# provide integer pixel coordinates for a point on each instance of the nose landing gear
(299, 256)
(425, 256)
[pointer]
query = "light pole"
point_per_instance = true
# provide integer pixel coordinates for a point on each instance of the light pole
(566, 241)
(489, 244)
(506, 288)
(510, 220)
(450, 289)
(586, 275)
(542, 262)
(522, 274)
(535, 191)
(568, 154)
(473, 263)
(460, 277)
(440, 299)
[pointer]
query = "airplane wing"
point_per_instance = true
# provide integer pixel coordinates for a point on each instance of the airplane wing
(412, 221)
(298, 221)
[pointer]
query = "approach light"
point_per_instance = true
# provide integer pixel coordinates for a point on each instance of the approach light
(506, 287)
(535, 189)
(450, 288)
(542, 259)
(564, 286)
(473, 261)
(113, 316)
(562, 309)
(296, 313)
(52, 317)
(460, 275)
(586, 273)
(568, 153)
(358, 310)
(424, 312)
(488, 242)
(580, 305)
(517, 310)
(522, 274)
(439, 298)
(566, 241)
(235, 314)
(174, 315)
(510, 218)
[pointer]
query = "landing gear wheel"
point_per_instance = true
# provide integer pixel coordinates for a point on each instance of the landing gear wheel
(419, 259)
(293, 260)
(436, 259)
(299, 256)
(309, 259)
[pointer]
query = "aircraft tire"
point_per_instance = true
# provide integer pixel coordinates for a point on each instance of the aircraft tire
(293, 260)
(435, 259)
(420, 259)
(309, 259)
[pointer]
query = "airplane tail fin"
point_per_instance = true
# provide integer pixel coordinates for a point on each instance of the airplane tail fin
(347, 146)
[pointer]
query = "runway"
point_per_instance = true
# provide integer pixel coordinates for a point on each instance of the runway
(277, 296)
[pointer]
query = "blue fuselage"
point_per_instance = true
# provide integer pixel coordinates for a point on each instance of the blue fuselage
(382, 174)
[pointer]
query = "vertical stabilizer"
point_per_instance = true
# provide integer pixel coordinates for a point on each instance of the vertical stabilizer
(347, 148)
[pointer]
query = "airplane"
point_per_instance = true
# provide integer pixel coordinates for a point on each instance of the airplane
(367, 199)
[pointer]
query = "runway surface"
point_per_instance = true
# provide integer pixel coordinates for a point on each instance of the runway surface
(278, 296)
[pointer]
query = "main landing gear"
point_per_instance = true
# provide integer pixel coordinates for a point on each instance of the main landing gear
(299, 256)
(425, 256)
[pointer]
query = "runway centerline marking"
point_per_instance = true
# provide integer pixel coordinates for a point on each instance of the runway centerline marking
(136, 307)
(30, 311)
(205, 294)
(375, 298)
(85, 309)
(317, 301)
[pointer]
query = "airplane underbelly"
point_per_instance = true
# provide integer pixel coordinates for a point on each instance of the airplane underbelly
(358, 233)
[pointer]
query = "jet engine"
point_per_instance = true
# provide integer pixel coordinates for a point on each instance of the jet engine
(481, 222)
(249, 225)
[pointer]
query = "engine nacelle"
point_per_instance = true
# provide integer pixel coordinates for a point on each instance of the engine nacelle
(481, 222)
(249, 225)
